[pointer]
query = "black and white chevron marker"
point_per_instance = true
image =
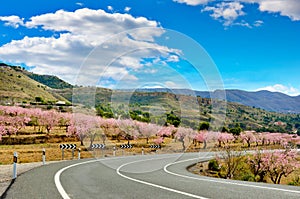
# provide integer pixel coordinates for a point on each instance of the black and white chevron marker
(155, 146)
(98, 146)
(126, 146)
(67, 146)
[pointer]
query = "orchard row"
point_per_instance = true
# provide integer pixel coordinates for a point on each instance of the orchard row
(14, 119)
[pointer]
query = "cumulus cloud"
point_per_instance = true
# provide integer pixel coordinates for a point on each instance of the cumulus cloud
(289, 8)
(14, 21)
(227, 12)
(115, 50)
(282, 89)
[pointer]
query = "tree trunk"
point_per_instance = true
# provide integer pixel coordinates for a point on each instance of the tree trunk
(204, 144)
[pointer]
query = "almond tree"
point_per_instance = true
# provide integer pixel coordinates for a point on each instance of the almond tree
(181, 134)
(225, 138)
(248, 137)
(128, 129)
(147, 130)
(201, 137)
(13, 124)
(35, 115)
(49, 119)
(257, 166)
(159, 140)
(166, 131)
(12, 110)
(2, 131)
(83, 126)
(280, 164)
(64, 120)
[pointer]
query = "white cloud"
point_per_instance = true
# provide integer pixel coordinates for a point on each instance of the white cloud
(127, 9)
(193, 2)
(170, 84)
(227, 12)
(79, 4)
(173, 58)
(14, 21)
(110, 8)
(150, 71)
(130, 62)
(258, 23)
(79, 33)
(282, 89)
(289, 8)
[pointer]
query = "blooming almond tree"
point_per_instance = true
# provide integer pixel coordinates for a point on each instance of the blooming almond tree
(257, 166)
(147, 130)
(2, 131)
(278, 164)
(166, 131)
(181, 134)
(128, 129)
(13, 124)
(225, 138)
(49, 119)
(83, 126)
(248, 137)
(159, 140)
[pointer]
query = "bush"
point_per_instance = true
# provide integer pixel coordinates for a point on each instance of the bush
(295, 182)
(248, 177)
(213, 165)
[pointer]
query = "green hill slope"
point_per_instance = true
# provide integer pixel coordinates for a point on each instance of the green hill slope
(15, 87)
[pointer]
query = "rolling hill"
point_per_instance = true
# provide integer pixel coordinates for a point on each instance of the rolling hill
(16, 87)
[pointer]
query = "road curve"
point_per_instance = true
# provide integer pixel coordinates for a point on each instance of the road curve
(157, 176)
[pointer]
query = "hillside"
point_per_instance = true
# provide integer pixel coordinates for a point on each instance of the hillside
(15, 87)
(48, 80)
(270, 101)
(191, 109)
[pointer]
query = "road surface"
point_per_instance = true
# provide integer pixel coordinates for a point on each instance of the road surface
(147, 176)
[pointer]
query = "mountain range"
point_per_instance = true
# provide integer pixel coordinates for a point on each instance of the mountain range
(270, 101)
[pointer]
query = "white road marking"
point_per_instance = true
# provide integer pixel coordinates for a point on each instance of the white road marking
(222, 181)
(57, 182)
(154, 185)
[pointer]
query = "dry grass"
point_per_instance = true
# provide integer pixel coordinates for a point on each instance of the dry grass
(202, 169)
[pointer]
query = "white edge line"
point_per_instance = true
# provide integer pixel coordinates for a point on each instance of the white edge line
(154, 185)
(222, 182)
(57, 182)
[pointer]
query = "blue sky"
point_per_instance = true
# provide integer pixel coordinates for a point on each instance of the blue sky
(251, 44)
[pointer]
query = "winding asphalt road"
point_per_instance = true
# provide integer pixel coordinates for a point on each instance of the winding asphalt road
(147, 176)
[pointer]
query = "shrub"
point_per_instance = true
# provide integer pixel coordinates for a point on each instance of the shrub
(213, 165)
(248, 177)
(295, 182)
